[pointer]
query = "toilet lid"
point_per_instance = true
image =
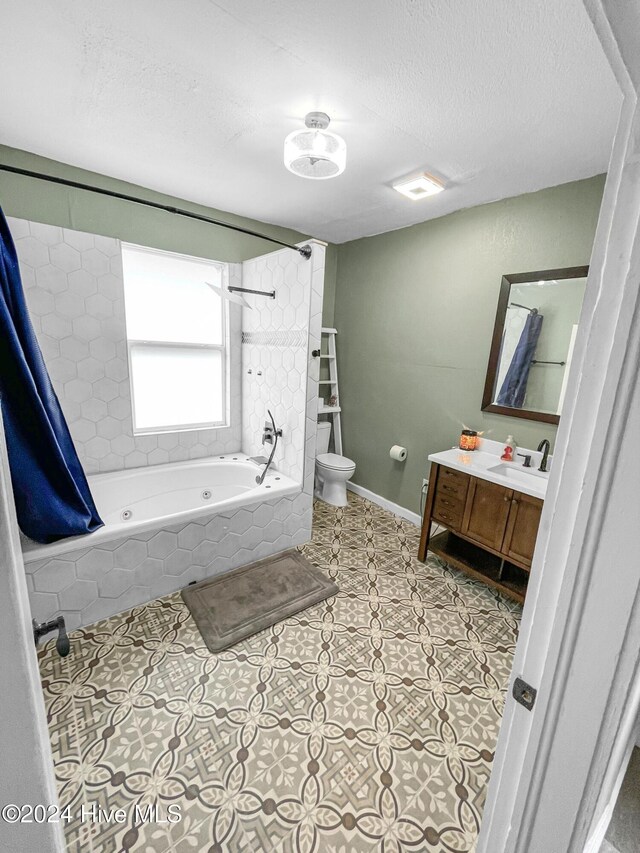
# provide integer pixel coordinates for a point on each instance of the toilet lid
(333, 460)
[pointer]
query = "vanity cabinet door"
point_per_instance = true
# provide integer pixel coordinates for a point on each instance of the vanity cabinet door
(522, 529)
(486, 513)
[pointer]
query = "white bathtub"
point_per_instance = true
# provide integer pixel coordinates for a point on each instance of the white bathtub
(138, 500)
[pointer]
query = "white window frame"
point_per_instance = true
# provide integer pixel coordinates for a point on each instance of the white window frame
(223, 348)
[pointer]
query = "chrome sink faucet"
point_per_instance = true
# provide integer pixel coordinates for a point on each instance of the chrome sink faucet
(545, 446)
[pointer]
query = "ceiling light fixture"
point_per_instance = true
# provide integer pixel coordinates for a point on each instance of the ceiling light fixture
(420, 187)
(316, 152)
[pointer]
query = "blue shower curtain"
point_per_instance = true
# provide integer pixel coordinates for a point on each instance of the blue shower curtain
(514, 387)
(51, 492)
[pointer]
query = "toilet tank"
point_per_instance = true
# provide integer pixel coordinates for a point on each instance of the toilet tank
(324, 434)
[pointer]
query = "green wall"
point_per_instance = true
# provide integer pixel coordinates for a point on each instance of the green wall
(28, 198)
(415, 310)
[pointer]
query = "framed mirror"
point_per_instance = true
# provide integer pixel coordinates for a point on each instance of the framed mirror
(532, 345)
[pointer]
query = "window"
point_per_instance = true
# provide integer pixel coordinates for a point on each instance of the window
(176, 336)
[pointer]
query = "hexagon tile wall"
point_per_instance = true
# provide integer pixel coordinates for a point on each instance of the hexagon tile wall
(74, 290)
(275, 355)
(86, 585)
(73, 284)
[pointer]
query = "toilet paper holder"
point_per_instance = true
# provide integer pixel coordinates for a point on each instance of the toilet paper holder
(398, 453)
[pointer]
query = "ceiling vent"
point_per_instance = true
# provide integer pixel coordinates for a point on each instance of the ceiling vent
(418, 188)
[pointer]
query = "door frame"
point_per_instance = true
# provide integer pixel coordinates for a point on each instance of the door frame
(556, 767)
(27, 774)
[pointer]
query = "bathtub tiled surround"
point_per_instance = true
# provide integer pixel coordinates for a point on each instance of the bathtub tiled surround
(75, 295)
(92, 583)
(89, 584)
(275, 355)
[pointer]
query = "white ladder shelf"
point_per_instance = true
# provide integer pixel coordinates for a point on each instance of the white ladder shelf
(329, 357)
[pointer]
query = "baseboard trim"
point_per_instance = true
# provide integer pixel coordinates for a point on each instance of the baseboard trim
(396, 509)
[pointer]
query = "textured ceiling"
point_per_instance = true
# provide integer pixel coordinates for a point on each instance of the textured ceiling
(195, 99)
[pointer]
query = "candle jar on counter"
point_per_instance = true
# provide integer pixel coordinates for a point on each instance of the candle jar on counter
(468, 439)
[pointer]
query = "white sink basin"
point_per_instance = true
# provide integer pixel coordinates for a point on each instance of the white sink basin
(518, 473)
(488, 466)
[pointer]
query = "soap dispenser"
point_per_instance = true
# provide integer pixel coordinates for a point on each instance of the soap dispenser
(509, 449)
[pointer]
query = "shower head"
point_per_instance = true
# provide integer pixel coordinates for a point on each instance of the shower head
(230, 297)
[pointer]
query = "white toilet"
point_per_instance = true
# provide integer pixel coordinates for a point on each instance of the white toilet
(332, 471)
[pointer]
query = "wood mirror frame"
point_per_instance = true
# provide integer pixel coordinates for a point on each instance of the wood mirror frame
(496, 342)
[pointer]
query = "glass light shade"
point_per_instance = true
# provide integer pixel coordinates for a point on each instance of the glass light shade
(315, 153)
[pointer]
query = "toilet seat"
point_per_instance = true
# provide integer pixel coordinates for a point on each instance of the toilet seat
(335, 462)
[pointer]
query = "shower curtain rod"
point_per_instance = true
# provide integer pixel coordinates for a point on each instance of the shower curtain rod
(305, 250)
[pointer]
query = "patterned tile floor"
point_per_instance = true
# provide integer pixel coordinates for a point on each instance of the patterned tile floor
(367, 723)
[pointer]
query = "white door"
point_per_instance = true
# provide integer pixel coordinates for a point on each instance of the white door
(580, 640)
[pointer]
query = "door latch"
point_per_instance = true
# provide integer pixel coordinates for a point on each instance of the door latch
(524, 693)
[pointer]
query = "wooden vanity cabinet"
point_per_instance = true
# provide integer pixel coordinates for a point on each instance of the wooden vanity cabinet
(486, 513)
(490, 529)
(522, 529)
(450, 496)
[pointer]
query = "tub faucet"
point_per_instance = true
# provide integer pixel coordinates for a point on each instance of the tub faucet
(269, 432)
(270, 435)
(545, 447)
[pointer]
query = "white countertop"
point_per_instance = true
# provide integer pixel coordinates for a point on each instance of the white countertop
(513, 475)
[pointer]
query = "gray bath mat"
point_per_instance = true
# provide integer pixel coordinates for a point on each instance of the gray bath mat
(236, 605)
